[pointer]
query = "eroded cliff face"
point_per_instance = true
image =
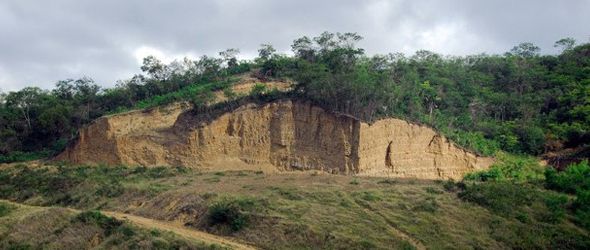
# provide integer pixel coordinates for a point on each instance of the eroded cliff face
(280, 136)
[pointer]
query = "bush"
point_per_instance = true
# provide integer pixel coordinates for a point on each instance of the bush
(510, 167)
(575, 177)
(18, 156)
(5, 209)
(556, 206)
(582, 208)
(108, 224)
(233, 212)
(475, 141)
(503, 198)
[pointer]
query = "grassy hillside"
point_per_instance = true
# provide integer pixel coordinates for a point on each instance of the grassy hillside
(311, 210)
(27, 227)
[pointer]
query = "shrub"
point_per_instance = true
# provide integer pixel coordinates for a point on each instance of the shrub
(575, 177)
(108, 224)
(233, 212)
(5, 209)
(427, 205)
(510, 167)
(556, 206)
(450, 185)
(582, 208)
(504, 198)
(18, 156)
(258, 89)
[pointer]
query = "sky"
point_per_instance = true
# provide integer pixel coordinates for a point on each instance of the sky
(42, 42)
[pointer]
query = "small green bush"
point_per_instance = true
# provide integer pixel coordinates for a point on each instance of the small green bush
(427, 205)
(510, 167)
(556, 207)
(231, 211)
(575, 177)
(503, 198)
(108, 224)
(449, 185)
(5, 209)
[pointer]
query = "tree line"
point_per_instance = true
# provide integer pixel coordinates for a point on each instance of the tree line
(521, 101)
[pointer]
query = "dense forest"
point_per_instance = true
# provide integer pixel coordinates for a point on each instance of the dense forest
(521, 102)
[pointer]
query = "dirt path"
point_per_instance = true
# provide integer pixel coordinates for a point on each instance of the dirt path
(165, 226)
(178, 229)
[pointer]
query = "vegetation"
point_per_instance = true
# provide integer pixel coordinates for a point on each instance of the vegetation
(58, 228)
(519, 180)
(520, 102)
(232, 212)
(574, 180)
(513, 106)
(80, 186)
(308, 211)
(518, 168)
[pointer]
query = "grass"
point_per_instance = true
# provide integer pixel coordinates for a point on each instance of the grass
(512, 167)
(80, 186)
(5, 209)
(59, 228)
(323, 211)
(234, 212)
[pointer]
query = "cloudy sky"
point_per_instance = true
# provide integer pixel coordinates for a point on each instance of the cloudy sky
(45, 41)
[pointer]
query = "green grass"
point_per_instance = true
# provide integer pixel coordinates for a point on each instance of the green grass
(512, 167)
(317, 212)
(58, 228)
(233, 212)
(5, 209)
(185, 94)
(84, 186)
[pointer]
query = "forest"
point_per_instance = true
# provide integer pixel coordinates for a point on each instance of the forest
(522, 102)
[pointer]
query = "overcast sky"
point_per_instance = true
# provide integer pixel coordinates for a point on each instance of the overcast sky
(45, 41)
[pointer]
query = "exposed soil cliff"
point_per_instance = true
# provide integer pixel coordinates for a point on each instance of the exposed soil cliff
(279, 136)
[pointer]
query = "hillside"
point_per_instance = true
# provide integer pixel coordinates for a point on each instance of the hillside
(283, 135)
(327, 149)
(296, 210)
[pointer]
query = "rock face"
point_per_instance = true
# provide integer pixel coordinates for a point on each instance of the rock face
(280, 136)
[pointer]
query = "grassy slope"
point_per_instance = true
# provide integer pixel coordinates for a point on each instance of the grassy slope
(30, 227)
(307, 210)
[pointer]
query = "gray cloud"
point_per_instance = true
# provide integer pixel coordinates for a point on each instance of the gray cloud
(45, 41)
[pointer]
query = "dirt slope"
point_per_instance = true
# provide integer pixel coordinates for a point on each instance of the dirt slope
(179, 230)
(281, 136)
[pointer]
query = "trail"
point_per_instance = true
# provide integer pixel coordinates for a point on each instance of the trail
(176, 228)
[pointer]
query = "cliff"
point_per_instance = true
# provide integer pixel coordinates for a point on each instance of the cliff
(280, 136)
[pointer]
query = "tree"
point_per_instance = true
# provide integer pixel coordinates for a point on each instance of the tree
(565, 44)
(303, 48)
(154, 68)
(86, 92)
(25, 101)
(266, 51)
(526, 50)
(229, 57)
(64, 89)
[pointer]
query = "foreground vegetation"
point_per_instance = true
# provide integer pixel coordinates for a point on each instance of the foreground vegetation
(25, 227)
(314, 210)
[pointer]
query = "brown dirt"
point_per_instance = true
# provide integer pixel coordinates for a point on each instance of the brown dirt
(179, 230)
(146, 223)
(281, 136)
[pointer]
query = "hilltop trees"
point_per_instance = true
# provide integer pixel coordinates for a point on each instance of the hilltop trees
(521, 101)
